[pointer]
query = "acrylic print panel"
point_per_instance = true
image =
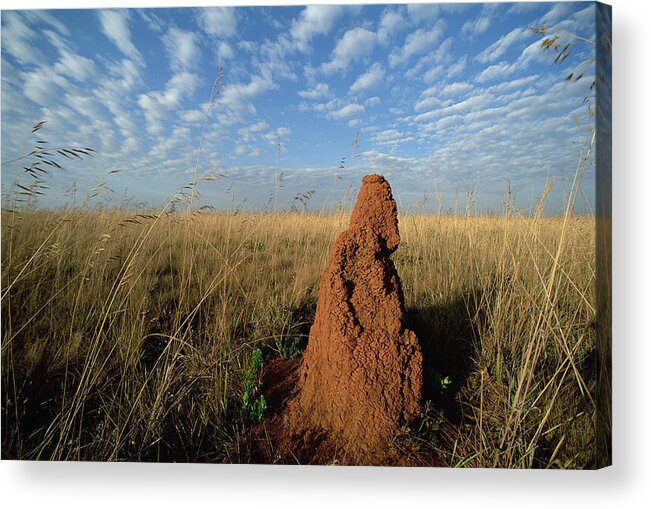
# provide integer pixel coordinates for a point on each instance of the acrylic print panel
(340, 235)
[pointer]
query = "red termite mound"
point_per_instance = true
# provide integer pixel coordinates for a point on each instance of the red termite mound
(361, 374)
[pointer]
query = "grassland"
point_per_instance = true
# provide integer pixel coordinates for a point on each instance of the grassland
(126, 337)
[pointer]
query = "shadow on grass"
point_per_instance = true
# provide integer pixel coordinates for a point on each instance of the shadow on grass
(446, 333)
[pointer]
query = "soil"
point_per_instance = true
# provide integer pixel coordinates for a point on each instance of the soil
(360, 378)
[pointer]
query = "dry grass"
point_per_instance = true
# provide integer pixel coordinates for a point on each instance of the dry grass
(126, 337)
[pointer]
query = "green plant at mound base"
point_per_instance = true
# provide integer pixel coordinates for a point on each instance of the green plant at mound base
(443, 382)
(290, 348)
(429, 424)
(253, 407)
(256, 360)
(257, 408)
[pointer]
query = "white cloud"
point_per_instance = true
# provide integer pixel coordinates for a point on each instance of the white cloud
(258, 126)
(113, 99)
(313, 20)
(532, 130)
(584, 19)
(416, 43)
(218, 21)
(22, 41)
(354, 45)
(530, 54)
(514, 84)
(429, 66)
(179, 136)
(502, 45)
(391, 23)
(433, 73)
(372, 101)
(43, 86)
(192, 116)
(154, 22)
(442, 53)
(479, 117)
(115, 25)
(533, 53)
(318, 91)
(428, 103)
(477, 26)
(348, 111)
(85, 104)
(75, 66)
(156, 105)
(369, 80)
(279, 135)
(472, 103)
(182, 49)
(70, 64)
(69, 126)
(18, 39)
(433, 90)
(249, 133)
(496, 71)
(240, 150)
(458, 67)
(36, 16)
(390, 162)
(456, 89)
(558, 11)
(238, 96)
(224, 51)
(248, 46)
(387, 135)
(273, 57)
(423, 12)
(448, 121)
(522, 7)
(283, 132)
(125, 76)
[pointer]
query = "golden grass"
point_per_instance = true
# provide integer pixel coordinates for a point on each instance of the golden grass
(128, 340)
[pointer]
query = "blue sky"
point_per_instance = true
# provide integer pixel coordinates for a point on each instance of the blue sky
(441, 96)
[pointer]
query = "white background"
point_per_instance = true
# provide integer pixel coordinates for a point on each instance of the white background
(96, 485)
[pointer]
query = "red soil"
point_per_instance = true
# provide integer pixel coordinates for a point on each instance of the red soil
(361, 375)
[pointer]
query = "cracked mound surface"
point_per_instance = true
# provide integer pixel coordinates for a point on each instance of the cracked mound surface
(361, 374)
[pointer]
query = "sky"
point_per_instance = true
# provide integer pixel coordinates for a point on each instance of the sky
(439, 98)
